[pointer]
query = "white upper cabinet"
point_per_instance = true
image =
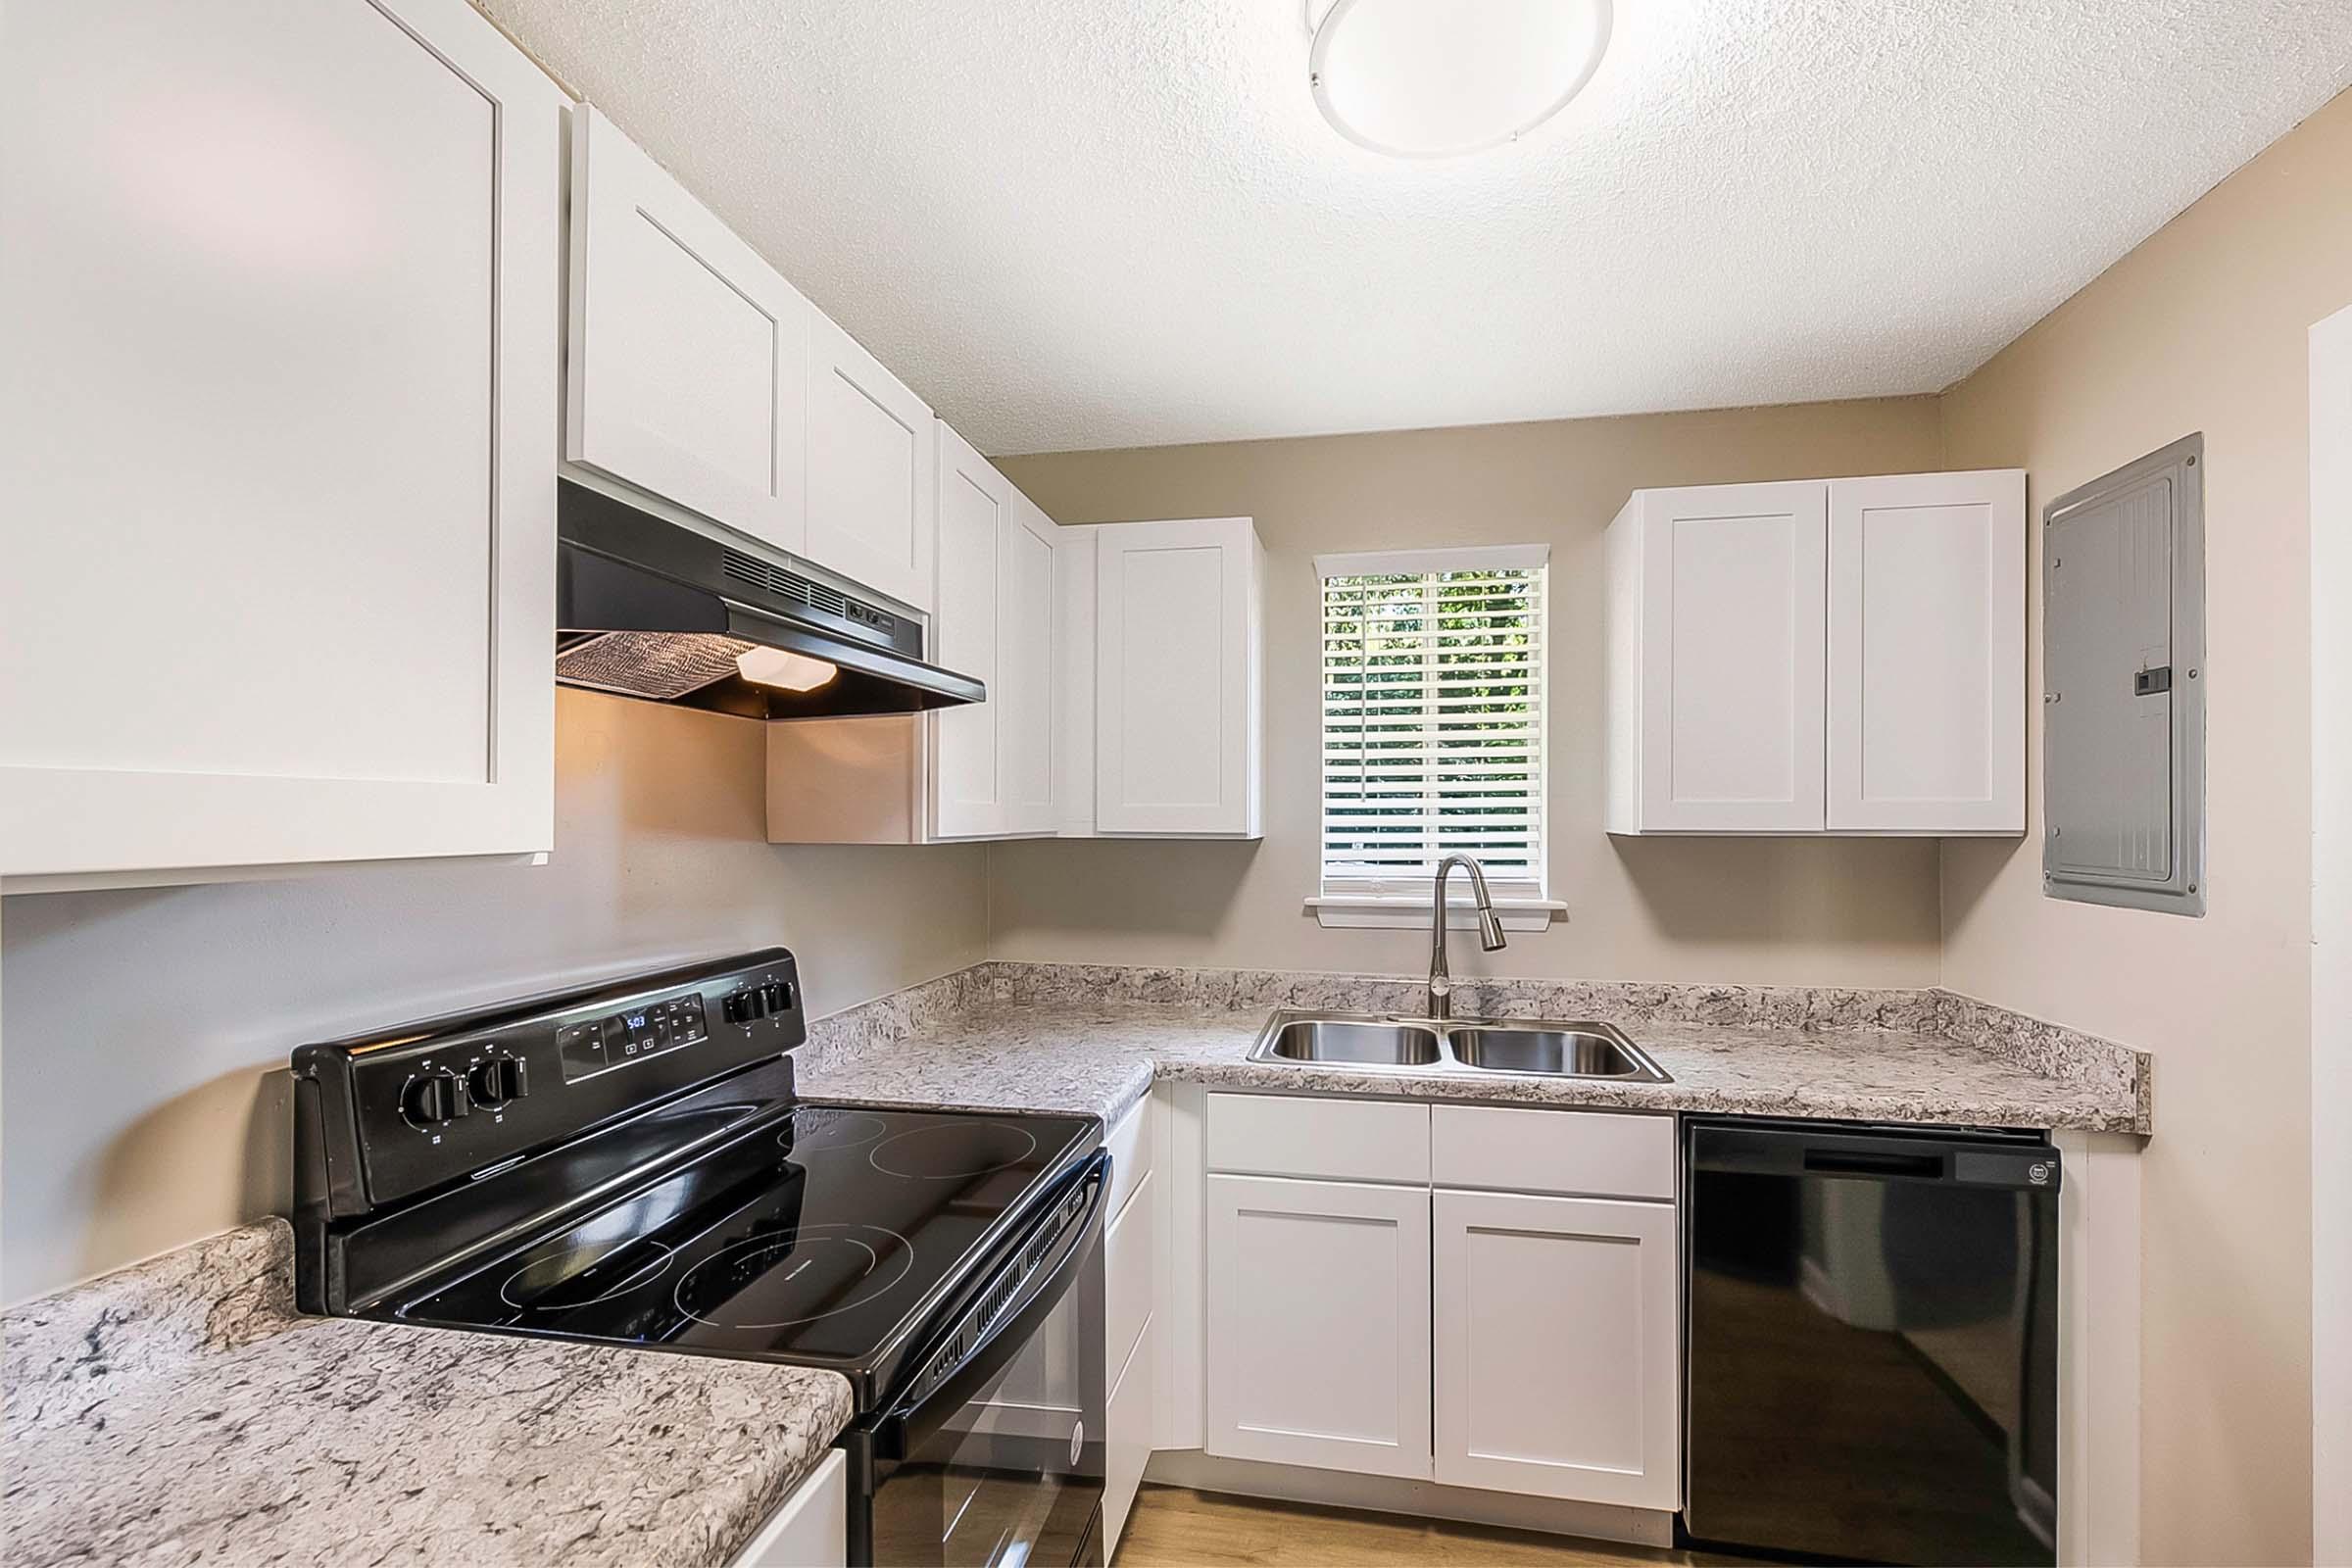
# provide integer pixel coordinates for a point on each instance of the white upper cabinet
(1178, 679)
(290, 276)
(1074, 681)
(989, 769)
(1028, 660)
(1837, 656)
(872, 502)
(1716, 612)
(975, 527)
(1927, 709)
(700, 376)
(689, 355)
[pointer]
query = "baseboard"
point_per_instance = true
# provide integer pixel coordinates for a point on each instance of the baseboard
(1424, 1499)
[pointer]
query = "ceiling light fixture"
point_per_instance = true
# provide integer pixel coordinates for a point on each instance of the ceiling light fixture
(1437, 79)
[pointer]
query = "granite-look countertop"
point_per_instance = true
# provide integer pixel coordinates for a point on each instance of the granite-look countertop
(1070, 1038)
(182, 1412)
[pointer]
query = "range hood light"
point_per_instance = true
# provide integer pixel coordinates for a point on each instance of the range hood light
(785, 670)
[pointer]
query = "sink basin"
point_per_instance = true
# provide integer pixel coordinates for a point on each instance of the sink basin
(1566, 1049)
(1355, 1042)
(1456, 1047)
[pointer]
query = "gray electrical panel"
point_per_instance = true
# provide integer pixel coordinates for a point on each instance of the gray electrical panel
(2123, 642)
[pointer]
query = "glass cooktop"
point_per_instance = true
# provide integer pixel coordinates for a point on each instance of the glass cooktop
(809, 1242)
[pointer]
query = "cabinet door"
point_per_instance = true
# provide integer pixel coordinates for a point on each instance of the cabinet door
(1732, 630)
(1176, 677)
(810, 1529)
(1926, 653)
(1557, 1347)
(1318, 1324)
(689, 353)
(290, 274)
(1029, 653)
(975, 523)
(1074, 689)
(871, 502)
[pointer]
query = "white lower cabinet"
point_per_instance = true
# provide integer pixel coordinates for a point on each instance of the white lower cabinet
(1318, 1323)
(1359, 1314)
(1131, 1293)
(811, 1528)
(1555, 1346)
(1127, 1444)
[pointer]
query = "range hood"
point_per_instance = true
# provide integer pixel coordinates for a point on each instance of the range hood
(648, 608)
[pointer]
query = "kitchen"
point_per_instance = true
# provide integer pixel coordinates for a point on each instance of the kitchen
(324, 773)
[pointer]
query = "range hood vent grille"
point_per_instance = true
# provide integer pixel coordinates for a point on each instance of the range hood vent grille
(659, 665)
(784, 584)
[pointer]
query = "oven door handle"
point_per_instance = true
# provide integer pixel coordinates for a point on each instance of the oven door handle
(910, 1422)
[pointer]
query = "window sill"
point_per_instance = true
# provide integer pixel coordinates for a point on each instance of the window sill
(1359, 913)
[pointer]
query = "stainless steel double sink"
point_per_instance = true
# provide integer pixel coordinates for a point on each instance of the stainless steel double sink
(1392, 1043)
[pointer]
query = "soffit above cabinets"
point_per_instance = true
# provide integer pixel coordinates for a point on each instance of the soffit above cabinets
(1074, 225)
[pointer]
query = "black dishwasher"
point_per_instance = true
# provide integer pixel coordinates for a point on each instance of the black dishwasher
(1873, 1340)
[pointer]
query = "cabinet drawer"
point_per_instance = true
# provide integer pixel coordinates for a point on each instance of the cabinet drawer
(1130, 1146)
(1576, 1153)
(1340, 1140)
(1129, 1250)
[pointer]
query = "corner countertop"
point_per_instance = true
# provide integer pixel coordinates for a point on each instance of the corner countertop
(181, 1412)
(1076, 1040)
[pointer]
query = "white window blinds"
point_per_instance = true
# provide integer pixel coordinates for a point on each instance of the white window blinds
(1433, 718)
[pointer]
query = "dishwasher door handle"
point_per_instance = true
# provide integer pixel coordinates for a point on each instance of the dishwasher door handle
(1959, 1159)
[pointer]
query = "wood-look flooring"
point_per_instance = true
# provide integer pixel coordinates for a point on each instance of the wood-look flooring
(1173, 1528)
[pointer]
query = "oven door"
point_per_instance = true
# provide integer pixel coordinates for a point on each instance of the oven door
(999, 1461)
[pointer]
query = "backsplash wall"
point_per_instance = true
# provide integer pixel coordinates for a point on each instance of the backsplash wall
(140, 1024)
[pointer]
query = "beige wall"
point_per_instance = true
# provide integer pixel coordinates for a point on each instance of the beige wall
(139, 1024)
(2200, 328)
(1850, 911)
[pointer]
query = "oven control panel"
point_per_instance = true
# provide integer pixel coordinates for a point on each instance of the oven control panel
(618, 1039)
(425, 1105)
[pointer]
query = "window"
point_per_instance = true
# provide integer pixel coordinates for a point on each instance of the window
(1433, 725)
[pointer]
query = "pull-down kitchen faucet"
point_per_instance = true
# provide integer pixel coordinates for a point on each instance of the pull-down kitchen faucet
(1490, 931)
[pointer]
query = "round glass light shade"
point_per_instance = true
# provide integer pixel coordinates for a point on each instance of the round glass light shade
(1435, 78)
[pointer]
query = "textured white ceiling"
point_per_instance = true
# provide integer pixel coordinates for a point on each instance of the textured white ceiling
(1109, 222)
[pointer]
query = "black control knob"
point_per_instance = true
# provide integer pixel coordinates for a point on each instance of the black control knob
(746, 1006)
(777, 995)
(433, 1100)
(497, 1080)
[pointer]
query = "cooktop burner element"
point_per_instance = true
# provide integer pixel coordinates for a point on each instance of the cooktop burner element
(953, 1151)
(583, 1276)
(774, 1282)
(819, 1129)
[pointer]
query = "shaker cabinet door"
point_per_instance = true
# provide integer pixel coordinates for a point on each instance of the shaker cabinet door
(1318, 1324)
(1177, 678)
(1926, 660)
(1730, 620)
(1556, 1348)
(1029, 662)
(689, 353)
(975, 524)
(871, 499)
(280, 585)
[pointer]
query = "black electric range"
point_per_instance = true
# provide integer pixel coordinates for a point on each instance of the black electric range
(630, 1164)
